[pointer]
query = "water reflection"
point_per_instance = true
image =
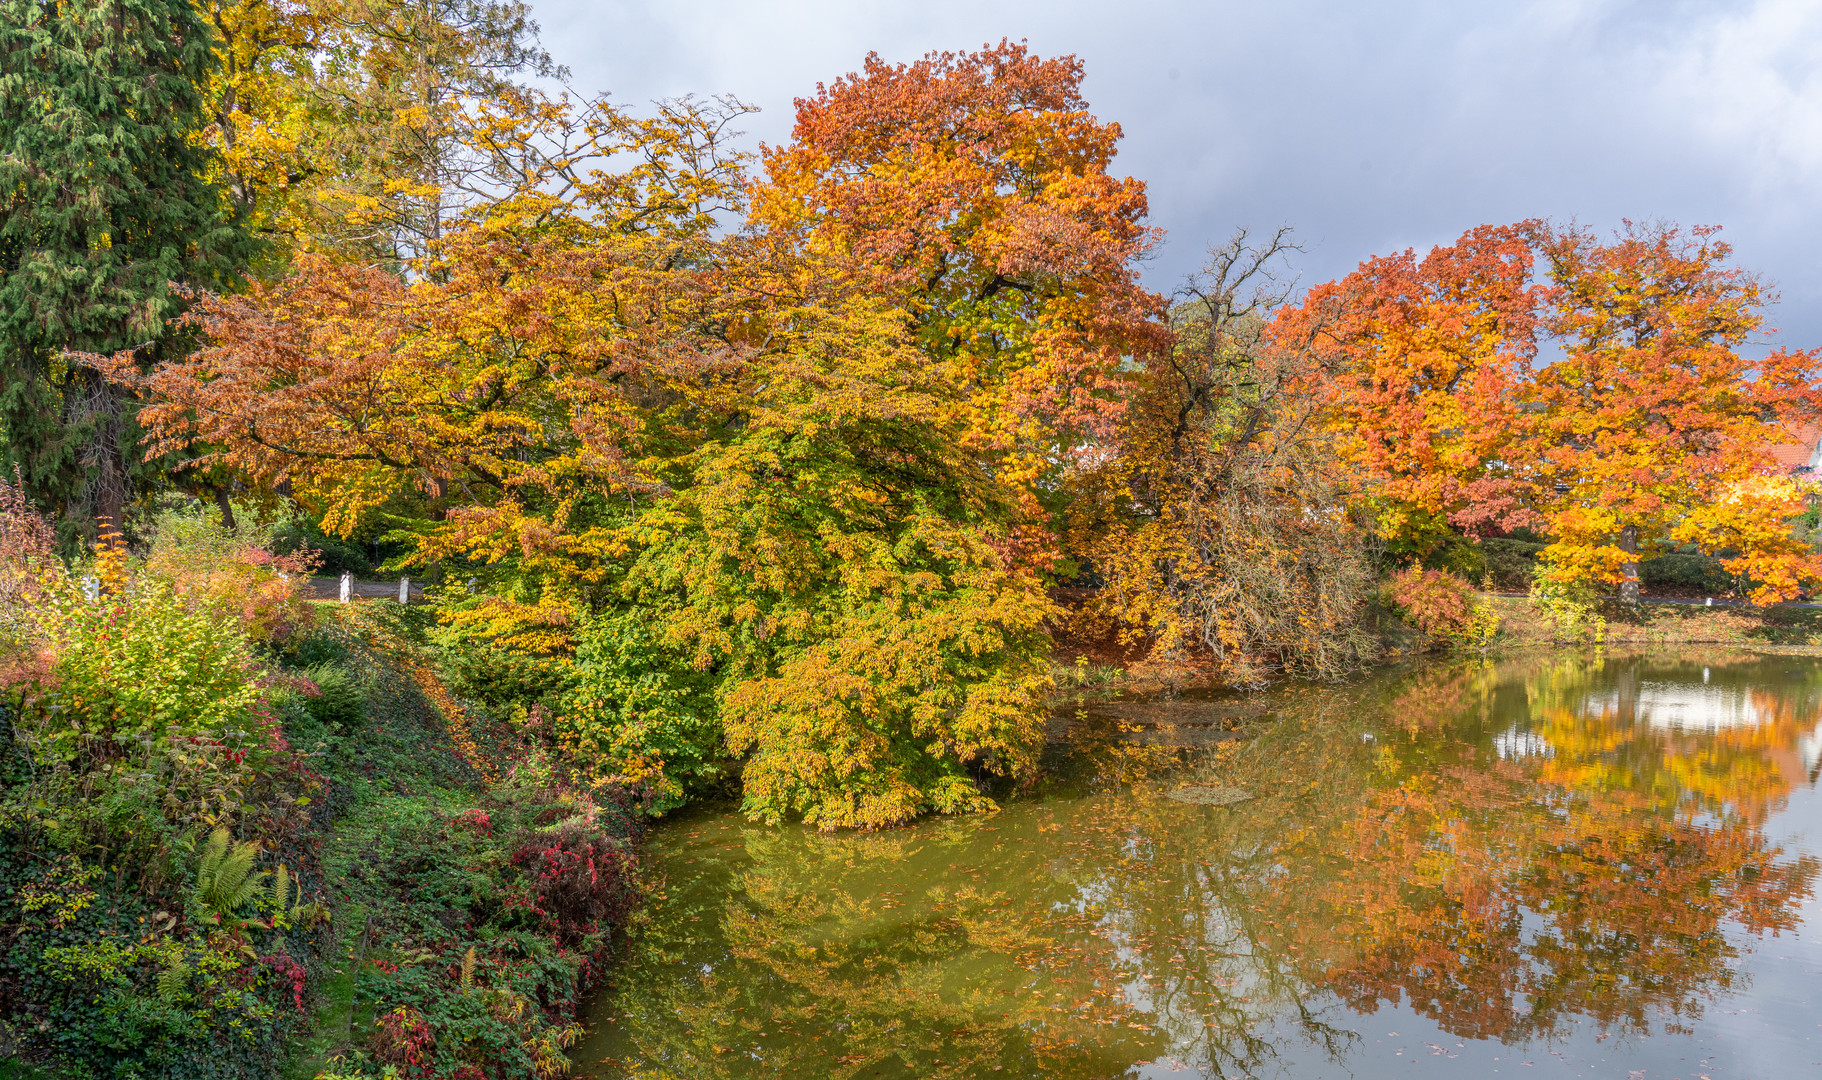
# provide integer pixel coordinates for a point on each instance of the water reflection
(1515, 852)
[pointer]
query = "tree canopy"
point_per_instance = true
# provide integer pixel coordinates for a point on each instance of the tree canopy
(778, 468)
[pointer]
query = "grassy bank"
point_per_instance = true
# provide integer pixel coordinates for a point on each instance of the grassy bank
(446, 899)
(1782, 625)
(1105, 665)
(471, 891)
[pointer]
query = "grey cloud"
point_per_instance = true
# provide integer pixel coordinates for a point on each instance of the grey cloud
(1369, 126)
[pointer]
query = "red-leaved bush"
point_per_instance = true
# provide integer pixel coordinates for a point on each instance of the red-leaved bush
(581, 878)
(27, 545)
(477, 820)
(404, 1039)
(1434, 601)
(232, 573)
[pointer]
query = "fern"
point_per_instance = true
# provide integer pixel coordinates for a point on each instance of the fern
(173, 979)
(281, 889)
(225, 878)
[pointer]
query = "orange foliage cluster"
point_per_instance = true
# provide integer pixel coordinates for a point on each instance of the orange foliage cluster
(1434, 601)
(972, 189)
(1651, 429)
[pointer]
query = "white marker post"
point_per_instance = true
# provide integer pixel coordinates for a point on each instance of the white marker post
(404, 590)
(347, 585)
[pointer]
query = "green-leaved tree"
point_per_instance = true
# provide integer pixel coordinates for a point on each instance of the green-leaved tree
(108, 197)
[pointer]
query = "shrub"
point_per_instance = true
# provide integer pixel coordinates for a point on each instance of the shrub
(580, 878)
(506, 682)
(28, 546)
(1570, 604)
(1510, 563)
(332, 556)
(491, 919)
(1442, 606)
(338, 699)
(637, 714)
(405, 1040)
(1702, 573)
(146, 706)
(1460, 556)
(232, 572)
(137, 721)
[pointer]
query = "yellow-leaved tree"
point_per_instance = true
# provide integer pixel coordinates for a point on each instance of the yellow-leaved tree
(725, 480)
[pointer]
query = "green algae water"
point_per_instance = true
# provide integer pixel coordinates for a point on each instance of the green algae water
(1559, 866)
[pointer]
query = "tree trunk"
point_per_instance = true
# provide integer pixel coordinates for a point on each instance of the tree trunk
(226, 504)
(101, 502)
(1629, 586)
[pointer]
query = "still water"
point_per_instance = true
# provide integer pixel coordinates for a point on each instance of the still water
(1559, 866)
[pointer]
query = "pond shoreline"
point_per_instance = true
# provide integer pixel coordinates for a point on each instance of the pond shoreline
(1080, 665)
(1447, 865)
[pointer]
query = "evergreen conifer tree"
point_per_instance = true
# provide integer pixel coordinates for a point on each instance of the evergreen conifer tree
(108, 196)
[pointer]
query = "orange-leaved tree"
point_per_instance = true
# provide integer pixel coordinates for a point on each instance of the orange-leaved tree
(1426, 357)
(972, 190)
(1650, 425)
(1656, 425)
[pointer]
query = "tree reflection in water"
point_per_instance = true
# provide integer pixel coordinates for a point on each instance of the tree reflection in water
(1502, 848)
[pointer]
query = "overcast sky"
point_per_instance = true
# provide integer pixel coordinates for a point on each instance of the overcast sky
(1369, 126)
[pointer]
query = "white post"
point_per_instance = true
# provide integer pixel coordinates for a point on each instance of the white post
(91, 587)
(1708, 602)
(404, 590)
(347, 585)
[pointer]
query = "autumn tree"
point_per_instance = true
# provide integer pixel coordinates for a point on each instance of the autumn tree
(1427, 357)
(110, 199)
(1652, 428)
(1656, 426)
(972, 190)
(1213, 521)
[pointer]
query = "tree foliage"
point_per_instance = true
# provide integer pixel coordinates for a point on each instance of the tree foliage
(1215, 521)
(611, 409)
(972, 190)
(110, 198)
(1652, 428)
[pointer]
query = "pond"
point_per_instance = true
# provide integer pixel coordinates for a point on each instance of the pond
(1548, 866)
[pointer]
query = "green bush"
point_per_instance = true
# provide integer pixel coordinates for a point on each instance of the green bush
(505, 682)
(108, 990)
(148, 720)
(1701, 573)
(338, 700)
(1510, 563)
(338, 556)
(1572, 607)
(639, 713)
(1460, 557)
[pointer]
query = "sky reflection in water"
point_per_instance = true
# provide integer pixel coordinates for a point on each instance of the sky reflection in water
(1550, 866)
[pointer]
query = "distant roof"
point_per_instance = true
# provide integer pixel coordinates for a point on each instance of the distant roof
(1802, 451)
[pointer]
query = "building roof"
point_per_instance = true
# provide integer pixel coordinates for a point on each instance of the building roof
(1803, 451)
